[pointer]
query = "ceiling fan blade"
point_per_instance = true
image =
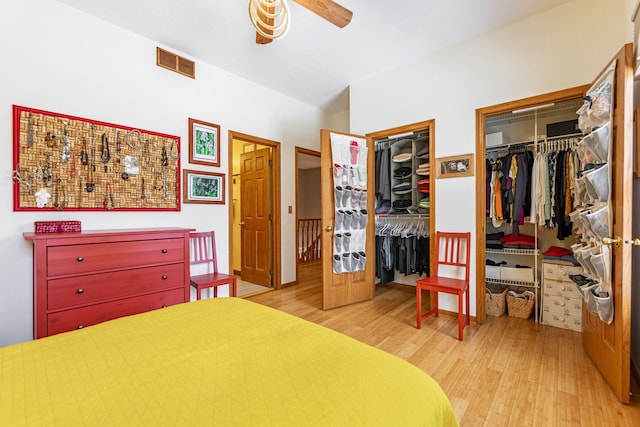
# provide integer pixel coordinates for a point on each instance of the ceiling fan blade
(329, 10)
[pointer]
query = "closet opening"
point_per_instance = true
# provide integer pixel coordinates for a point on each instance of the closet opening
(523, 230)
(404, 202)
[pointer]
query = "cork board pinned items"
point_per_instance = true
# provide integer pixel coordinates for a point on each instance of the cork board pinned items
(66, 162)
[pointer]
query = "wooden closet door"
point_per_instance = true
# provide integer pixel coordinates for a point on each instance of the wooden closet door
(345, 288)
(608, 345)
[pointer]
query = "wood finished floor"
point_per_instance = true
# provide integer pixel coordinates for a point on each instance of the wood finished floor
(507, 372)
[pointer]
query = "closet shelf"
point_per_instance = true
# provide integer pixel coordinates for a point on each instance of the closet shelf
(534, 284)
(508, 251)
(403, 216)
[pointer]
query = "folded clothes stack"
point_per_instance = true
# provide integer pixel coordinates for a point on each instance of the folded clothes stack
(521, 241)
(402, 172)
(383, 207)
(402, 188)
(401, 157)
(425, 203)
(423, 169)
(403, 203)
(493, 240)
(423, 185)
(423, 153)
(559, 255)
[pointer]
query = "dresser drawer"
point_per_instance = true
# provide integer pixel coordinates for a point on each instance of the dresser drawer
(559, 272)
(561, 321)
(94, 288)
(79, 318)
(555, 287)
(75, 259)
(564, 305)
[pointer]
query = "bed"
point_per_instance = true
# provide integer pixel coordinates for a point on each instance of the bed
(223, 361)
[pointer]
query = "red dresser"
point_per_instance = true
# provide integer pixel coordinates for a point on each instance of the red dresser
(88, 277)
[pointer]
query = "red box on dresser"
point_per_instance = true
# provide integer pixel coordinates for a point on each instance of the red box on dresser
(84, 278)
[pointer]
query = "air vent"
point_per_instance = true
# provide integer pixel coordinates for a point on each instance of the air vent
(173, 62)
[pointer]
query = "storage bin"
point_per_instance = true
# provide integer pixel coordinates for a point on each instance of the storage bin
(495, 139)
(563, 128)
(520, 305)
(493, 272)
(516, 274)
(495, 300)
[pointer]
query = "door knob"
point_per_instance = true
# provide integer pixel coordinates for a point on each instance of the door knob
(328, 228)
(242, 223)
(609, 241)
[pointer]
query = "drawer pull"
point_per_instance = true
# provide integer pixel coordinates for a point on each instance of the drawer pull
(79, 259)
(165, 277)
(80, 291)
(80, 326)
(164, 251)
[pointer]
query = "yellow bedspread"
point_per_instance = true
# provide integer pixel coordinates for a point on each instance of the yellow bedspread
(218, 362)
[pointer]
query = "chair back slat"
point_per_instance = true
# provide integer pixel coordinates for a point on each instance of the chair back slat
(453, 249)
(203, 249)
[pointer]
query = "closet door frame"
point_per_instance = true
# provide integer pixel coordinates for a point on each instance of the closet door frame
(481, 148)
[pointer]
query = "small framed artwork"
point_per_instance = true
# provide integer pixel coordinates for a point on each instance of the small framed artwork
(203, 187)
(454, 166)
(204, 143)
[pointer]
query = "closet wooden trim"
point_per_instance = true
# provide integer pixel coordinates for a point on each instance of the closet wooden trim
(481, 147)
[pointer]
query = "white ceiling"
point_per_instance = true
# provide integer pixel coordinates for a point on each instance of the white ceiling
(316, 61)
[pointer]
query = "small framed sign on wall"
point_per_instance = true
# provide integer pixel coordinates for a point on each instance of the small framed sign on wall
(454, 166)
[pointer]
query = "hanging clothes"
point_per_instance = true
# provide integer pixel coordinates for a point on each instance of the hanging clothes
(402, 245)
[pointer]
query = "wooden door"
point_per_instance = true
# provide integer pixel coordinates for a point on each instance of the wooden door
(256, 216)
(345, 288)
(608, 345)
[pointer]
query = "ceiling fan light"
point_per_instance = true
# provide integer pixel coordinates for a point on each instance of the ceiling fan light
(270, 18)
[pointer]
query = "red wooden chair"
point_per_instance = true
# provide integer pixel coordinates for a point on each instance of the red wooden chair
(452, 249)
(203, 251)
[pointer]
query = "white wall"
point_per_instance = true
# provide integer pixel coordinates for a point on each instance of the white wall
(58, 59)
(309, 203)
(563, 47)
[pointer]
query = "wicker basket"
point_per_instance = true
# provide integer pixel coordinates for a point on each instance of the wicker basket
(495, 300)
(520, 305)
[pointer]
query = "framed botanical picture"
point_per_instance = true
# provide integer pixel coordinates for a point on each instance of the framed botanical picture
(454, 166)
(204, 143)
(203, 187)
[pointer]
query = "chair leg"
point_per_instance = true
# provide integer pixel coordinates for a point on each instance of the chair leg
(418, 307)
(234, 288)
(436, 307)
(461, 320)
(468, 310)
(198, 293)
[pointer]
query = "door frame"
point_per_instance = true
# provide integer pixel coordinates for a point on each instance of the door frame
(276, 201)
(481, 146)
(309, 152)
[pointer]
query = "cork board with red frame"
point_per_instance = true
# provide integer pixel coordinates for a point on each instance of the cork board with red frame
(63, 162)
